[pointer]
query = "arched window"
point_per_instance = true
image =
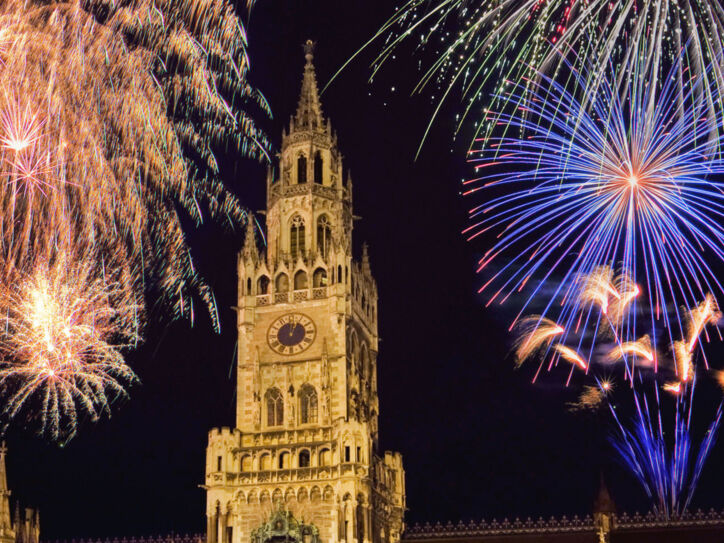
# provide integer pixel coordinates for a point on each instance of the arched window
(274, 407)
(325, 457)
(300, 280)
(248, 286)
(308, 404)
(339, 274)
(319, 279)
(318, 168)
(296, 236)
(262, 285)
(246, 463)
(284, 460)
(304, 459)
(302, 169)
(324, 235)
(264, 463)
(282, 283)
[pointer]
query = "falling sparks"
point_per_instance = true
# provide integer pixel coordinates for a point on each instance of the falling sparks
(570, 355)
(534, 332)
(104, 148)
(60, 347)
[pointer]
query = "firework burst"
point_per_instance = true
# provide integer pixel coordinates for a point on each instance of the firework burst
(110, 113)
(614, 184)
(61, 344)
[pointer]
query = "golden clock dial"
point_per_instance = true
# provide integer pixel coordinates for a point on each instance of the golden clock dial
(291, 333)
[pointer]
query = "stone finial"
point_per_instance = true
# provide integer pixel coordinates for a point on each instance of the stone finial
(366, 260)
(250, 250)
(309, 51)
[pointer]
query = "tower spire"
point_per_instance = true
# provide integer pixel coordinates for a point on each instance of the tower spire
(309, 109)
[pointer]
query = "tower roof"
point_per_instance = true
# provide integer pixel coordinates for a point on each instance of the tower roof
(309, 109)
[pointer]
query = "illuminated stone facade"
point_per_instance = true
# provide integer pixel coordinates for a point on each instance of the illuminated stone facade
(24, 525)
(306, 430)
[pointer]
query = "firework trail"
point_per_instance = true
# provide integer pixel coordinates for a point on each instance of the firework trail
(641, 348)
(533, 333)
(110, 113)
(570, 355)
(480, 46)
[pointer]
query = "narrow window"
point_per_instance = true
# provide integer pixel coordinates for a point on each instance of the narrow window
(359, 454)
(300, 280)
(304, 459)
(262, 285)
(296, 236)
(347, 453)
(324, 235)
(248, 286)
(274, 407)
(302, 169)
(218, 463)
(319, 279)
(282, 283)
(229, 533)
(284, 460)
(308, 401)
(318, 168)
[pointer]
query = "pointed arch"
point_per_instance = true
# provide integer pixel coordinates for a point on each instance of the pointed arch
(274, 407)
(262, 285)
(296, 236)
(319, 279)
(300, 280)
(281, 284)
(308, 404)
(324, 235)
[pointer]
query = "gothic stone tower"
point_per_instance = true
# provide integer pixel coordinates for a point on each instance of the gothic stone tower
(306, 423)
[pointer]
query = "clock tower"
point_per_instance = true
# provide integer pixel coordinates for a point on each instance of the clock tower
(304, 452)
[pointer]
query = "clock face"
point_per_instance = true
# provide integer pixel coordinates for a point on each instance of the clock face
(291, 333)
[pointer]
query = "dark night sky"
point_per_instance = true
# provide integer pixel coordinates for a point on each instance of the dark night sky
(478, 440)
